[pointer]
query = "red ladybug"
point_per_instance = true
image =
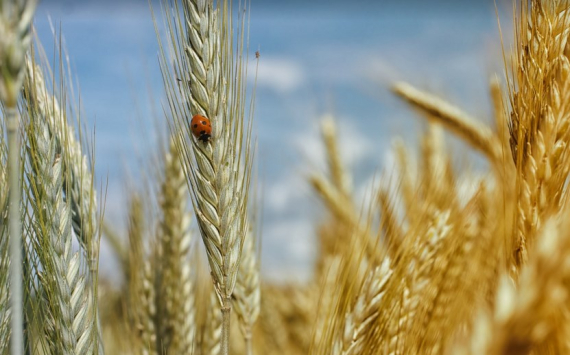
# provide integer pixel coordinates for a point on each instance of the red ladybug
(201, 128)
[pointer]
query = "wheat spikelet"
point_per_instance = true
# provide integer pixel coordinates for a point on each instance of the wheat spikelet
(247, 294)
(203, 50)
(539, 116)
(176, 284)
(359, 321)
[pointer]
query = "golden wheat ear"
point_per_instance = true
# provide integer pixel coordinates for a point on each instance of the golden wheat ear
(539, 91)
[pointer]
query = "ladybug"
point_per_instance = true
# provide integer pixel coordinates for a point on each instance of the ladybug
(201, 128)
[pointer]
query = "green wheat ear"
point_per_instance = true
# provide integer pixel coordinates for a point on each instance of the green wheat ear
(210, 64)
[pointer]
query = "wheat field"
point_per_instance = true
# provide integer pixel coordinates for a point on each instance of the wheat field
(422, 265)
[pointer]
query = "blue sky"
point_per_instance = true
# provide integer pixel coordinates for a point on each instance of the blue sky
(318, 57)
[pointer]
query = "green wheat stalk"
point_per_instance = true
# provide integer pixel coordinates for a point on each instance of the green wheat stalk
(208, 78)
(15, 22)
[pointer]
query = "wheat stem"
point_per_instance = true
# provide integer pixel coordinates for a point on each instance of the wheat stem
(15, 22)
(15, 230)
(226, 317)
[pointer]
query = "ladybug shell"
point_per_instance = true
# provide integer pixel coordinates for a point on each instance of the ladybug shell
(201, 128)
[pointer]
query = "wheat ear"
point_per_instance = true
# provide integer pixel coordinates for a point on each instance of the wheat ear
(15, 37)
(360, 320)
(218, 171)
(61, 278)
(176, 283)
(247, 294)
(142, 303)
(471, 130)
(539, 125)
(533, 314)
(77, 185)
(343, 209)
(339, 177)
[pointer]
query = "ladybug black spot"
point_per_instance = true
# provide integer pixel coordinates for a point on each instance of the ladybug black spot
(195, 125)
(204, 123)
(204, 137)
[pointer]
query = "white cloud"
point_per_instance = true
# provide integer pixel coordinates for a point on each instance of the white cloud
(279, 74)
(284, 193)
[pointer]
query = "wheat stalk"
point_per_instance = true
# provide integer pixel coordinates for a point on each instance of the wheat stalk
(218, 172)
(15, 23)
(4, 250)
(247, 294)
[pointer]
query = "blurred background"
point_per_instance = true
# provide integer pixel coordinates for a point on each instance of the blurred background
(317, 57)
